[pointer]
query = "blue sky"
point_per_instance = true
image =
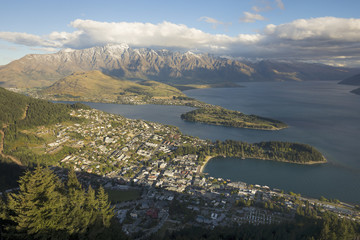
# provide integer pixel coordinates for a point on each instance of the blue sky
(325, 31)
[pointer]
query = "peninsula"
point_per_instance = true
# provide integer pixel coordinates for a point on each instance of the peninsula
(216, 115)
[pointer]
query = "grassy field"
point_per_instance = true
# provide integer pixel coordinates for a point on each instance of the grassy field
(116, 196)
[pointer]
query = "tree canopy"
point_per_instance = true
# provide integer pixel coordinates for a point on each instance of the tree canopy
(47, 208)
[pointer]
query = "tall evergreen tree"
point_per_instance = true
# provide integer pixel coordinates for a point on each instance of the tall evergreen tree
(44, 208)
(38, 208)
(77, 219)
(105, 211)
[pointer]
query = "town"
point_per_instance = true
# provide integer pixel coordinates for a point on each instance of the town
(171, 191)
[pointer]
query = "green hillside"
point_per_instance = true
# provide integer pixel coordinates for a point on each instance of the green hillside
(98, 87)
(20, 113)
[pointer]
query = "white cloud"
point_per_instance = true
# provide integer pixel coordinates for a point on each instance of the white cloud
(45, 49)
(280, 4)
(325, 28)
(315, 38)
(215, 23)
(27, 39)
(263, 6)
(251, 17)
(165, 34)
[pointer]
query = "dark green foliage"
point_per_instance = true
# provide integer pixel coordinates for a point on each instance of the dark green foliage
(294, 152)
(45, 208)
(220, 116)
(183, 98)
(42, 112)
(12, 106)
(280, 151)
(36, 210)
(38, 112)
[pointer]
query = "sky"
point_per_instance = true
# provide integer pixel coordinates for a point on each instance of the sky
(324, 31)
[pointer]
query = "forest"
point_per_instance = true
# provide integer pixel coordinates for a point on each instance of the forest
(27, 112)
(273, 150)
(216, 115)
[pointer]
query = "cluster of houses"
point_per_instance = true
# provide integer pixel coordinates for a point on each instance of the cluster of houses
(142, 154)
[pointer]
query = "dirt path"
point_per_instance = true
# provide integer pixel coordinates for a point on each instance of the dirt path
(25, 113)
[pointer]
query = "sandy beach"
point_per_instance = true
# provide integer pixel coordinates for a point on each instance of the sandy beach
(207, 158)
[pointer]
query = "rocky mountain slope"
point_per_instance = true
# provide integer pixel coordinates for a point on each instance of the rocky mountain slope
(38, 70)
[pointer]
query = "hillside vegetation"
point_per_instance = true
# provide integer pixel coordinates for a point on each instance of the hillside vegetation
(277, 151)
(98, 87)
(220, 116)
(20, 113)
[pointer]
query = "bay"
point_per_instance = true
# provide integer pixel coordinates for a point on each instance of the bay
(323, 114)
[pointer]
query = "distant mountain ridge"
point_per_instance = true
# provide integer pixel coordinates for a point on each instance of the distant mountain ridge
(39, 70)
(353, 80)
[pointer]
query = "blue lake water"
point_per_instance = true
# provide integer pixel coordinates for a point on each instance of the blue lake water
(323, 114)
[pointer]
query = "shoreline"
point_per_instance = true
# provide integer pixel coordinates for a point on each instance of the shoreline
(251, 128)
(208, 158)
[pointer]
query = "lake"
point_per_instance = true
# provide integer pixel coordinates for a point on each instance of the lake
(323, 114)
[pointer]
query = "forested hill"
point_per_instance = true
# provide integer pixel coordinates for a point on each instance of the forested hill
(19, 112)
(278, 151)
(27, 112)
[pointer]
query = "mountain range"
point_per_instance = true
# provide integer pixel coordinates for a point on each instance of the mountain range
(175, 68)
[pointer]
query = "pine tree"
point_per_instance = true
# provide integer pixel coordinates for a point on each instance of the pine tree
(38, 207)
(91, 205)
(77, 219)
(105, 211)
